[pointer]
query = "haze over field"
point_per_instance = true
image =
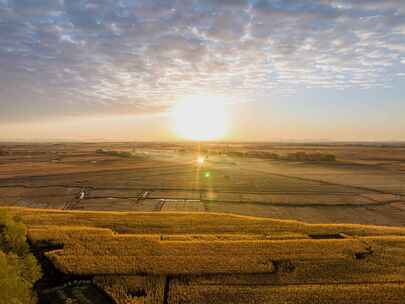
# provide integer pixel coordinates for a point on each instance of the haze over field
(114, 70)
(202, 151)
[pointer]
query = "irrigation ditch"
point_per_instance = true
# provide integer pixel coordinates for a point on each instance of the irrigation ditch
(56, 287)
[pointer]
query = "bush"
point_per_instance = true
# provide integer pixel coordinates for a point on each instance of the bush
(13, 238)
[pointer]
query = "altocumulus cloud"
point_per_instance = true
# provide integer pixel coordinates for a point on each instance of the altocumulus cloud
(114, 56)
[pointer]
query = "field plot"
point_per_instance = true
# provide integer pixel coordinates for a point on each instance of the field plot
(301, 294)
(291, 199)
(175, 194)
(363, 186)
(159, 257)
(182, 223)
(182, 205)
(111, 193)
(107, 204)
(387, 214)
(43, 197)
(367, 176)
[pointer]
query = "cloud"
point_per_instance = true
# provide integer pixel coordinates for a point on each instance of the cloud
(100, 57)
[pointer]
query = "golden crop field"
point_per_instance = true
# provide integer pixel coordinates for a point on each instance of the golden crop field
(151, 257)
(302, 294)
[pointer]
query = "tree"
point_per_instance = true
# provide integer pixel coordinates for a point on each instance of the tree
(31, 269)
(13, 290)
(4, 218)
(19, 269)
(13, 238)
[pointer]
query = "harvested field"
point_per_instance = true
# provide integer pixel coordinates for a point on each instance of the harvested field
(357, 188)
(182, 205)
(175, 194)
(297, 199)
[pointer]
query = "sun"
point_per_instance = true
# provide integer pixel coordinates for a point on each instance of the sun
(200, 118)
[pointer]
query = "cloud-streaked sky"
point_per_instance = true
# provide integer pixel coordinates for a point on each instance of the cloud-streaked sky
(291, 69)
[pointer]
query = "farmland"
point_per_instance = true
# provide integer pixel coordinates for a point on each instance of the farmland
(169, 257)
(364, 183)
(183, 223)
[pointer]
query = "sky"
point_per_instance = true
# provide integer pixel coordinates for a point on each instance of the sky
(288, 70)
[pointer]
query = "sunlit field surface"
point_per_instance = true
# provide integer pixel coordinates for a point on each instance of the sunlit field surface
(364, 184)
(156, 257)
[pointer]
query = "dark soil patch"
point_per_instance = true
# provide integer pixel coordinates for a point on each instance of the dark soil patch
(326, 236)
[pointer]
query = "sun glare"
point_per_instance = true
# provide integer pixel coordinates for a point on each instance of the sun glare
(200, 160)
(200, 118)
